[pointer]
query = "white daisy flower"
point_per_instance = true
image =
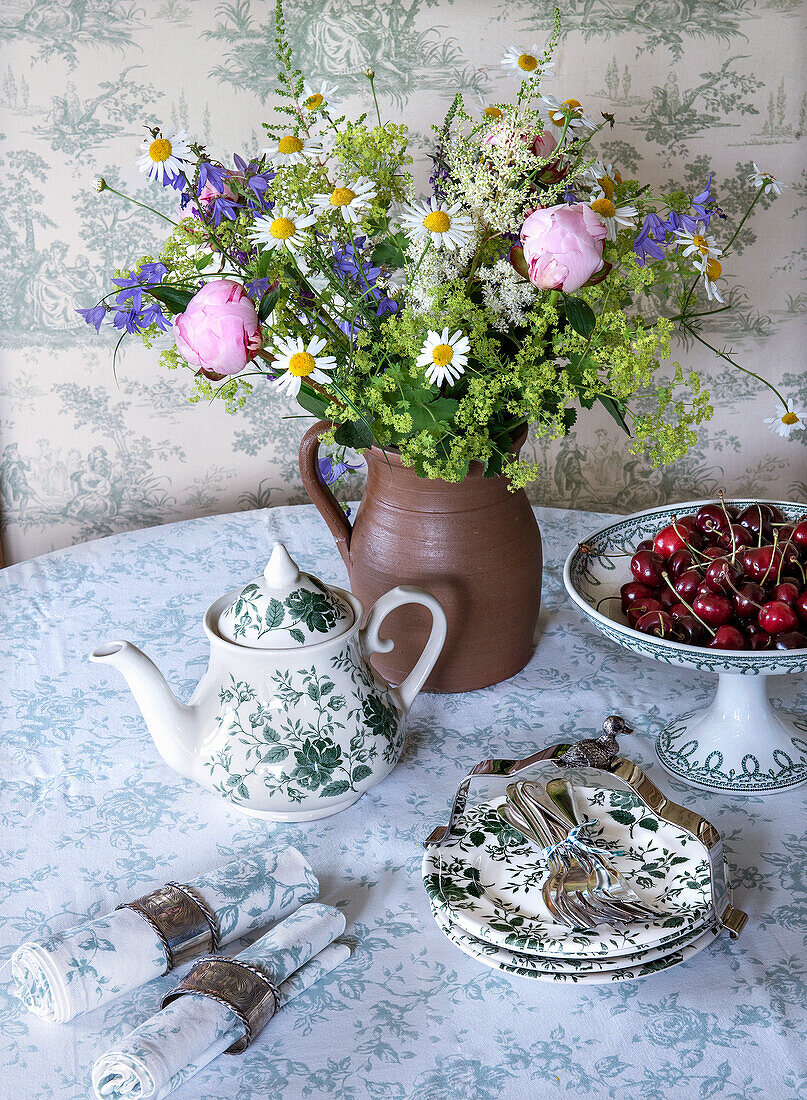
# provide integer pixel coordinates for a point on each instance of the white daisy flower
(298, 362)
(766, 180)
(700, 245)
(282, 227)
(785, 423)
(613, 217)
(163, 157)
(446, 225)
(351, 201)
(444, 357)
(522, 64)
(555, 113)
(319, 98)
(711, 270)
(293, 150)
(489, 111)
(603, 176)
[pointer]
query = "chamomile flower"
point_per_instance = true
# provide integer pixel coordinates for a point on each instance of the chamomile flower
(351, 201)
(163, 157)
(765, 180)
(711, 270)
(489, 110)
(613, 217)
(283, 227)
(603, 176)
(445, 225)
(555, 112)
(297, 362)
(319, 98)
(700, 245)
(786, 422)
(522, 64)
(444, 357)
(293, 150)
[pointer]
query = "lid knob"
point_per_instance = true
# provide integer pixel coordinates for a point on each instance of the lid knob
(281, 571)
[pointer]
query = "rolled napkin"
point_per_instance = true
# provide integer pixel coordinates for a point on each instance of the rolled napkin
(75, 971)
(190, 1032)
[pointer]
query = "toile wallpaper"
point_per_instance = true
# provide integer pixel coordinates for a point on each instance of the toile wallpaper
(696, 86)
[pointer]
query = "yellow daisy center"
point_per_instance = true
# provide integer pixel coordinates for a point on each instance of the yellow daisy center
(282, 228)
(790, 418)
(289, 144)
(492, 112)
(714, 269)
(160, 150)
(442, 354)
(527, 62)
(302, 364)
(573, 105)
(342, 196)
(437, 222)
(607, 186)
(604, 207)
(701, 243)
(314, 101)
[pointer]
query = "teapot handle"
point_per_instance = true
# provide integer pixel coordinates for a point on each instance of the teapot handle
(321, 496)
(397, 597)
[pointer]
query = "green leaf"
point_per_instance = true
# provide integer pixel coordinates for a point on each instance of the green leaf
(173, 297)
(203, 261)
(267, 304)
(275, 755)
(356, 434)
(313, 403)
(622, 817)
(580, 316)
(650, 823)
(616, 410)
(264, 263)
(298, 636)
(518, 261)
(275, 614)
(390, 253)
(331, 790)
(361, 771)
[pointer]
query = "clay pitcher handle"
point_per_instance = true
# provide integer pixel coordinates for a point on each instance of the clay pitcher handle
(321, 496)
(397, 597)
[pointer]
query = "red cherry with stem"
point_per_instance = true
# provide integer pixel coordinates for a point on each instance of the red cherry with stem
(713, 609)
(801, 606)
(712, 553)
(711, 518)
(786, 592)
(680, 561)
(800, 534)
(727, 637)
(735, 538)
(793, 639)
(645, 544)
(748, 599)
(784, 532)
(776, 513)
(679, 611)
(640, 608)
(656, 623)
(703, 588)
(668, 598)
(761, 640)
(686, 585)
(646, 567)
(633, 591)
(777, 617)
(723, 575)
(760, 562)
(689, 631)
(676, 536)
(757, 518)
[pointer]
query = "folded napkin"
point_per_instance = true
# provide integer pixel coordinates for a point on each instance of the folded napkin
(77, 970)
(190, 1032)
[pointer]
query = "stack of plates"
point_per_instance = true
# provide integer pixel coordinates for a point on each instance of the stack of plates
(484, 886)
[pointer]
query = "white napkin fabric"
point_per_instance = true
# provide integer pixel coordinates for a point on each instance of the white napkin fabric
(75, 971)
(191, 1031)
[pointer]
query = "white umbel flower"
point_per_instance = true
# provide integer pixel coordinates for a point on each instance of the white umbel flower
(351, 200)
(554, 110)
(700, 245)
(318, 98)
(297, 362)
(613, 217)
(765, 180)
(163, 157)
(291, 149)
(446, 226)
(444, 357)
(523, 63)
(283, 227)
(786, 422)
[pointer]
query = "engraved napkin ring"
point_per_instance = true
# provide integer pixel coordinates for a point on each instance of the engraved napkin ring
(237, 985)
(184, 924)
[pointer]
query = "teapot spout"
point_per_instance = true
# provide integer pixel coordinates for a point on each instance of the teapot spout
(172, 725)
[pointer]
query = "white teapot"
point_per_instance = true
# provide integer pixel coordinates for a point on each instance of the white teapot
(289, 722)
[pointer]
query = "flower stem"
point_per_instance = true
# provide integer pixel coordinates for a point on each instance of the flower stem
(129, 198)
(733, 362)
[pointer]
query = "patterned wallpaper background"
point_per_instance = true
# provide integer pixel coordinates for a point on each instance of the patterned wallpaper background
(696, 86)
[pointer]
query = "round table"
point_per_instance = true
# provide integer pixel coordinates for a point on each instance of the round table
(90, 815)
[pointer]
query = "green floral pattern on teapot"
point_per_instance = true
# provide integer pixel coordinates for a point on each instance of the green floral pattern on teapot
(301, 613)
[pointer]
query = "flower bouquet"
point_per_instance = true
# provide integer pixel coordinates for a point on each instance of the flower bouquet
(533, 281)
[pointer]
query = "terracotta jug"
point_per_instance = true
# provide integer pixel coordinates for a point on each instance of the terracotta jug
(475, 545)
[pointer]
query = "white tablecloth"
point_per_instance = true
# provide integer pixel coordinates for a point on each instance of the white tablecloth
(89, 815)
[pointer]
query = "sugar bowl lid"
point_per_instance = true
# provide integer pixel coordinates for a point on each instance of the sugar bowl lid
(284, 609)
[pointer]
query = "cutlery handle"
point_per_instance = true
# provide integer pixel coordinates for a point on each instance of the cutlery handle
(562, 795)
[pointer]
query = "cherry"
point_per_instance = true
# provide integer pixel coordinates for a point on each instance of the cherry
(689, 631)
(646, 567)
(761, 562)
(676, 536)
(776, 513)
(633, 591)
(713, 553)
(668, 598)
(777, 617)
(686, 585)
(657, 623)
(711, 518)
(785, 532)
(645, 544)
(735, 538)
(763, 640)
(748, 599)
(727, 637)
(678, 611)
(787, 593)
(793, 639)
(800, 534)
(713, 609)
(723, 575)
(642, 607)
(757, 518)
(801, 606)
(680, 561)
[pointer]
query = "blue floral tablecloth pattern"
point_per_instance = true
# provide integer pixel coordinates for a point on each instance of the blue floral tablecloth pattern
(89, 815)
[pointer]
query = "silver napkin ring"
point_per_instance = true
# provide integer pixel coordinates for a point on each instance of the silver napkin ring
(239, 986)
(183, 922)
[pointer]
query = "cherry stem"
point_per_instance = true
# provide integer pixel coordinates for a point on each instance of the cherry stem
(773, 555)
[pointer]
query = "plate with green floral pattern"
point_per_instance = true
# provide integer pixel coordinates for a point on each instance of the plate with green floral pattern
(486, 880)
(527, 966)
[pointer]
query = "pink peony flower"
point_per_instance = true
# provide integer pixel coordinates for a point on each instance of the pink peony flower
(219, 330)
(563, 246)
(209, 192)
(544, 144)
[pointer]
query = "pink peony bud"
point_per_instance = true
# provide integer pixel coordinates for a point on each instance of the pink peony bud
(219, 330)
(563, 246)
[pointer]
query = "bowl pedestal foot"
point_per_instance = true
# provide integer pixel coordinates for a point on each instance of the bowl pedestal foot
(739, 743)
